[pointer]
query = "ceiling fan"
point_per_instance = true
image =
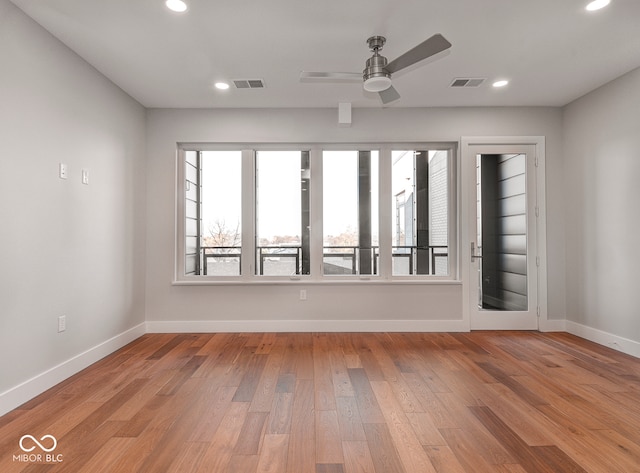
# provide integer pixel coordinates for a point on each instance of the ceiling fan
(377, 73)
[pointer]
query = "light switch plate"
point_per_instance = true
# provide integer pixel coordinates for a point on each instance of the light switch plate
(62, 323)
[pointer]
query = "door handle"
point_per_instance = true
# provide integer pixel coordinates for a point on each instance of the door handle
(473, 253)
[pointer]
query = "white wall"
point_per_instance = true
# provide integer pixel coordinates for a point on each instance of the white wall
(429, 307)
(65, 248)
(602, 194)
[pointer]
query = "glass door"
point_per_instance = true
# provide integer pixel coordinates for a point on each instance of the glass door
(503, 277)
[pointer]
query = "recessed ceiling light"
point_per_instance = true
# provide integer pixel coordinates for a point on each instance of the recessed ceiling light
(597, 4)
(176, 5)
(221, 85)
(500, 83)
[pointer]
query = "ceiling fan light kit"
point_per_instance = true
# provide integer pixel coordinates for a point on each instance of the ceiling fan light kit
(376, 76)
(377, 84)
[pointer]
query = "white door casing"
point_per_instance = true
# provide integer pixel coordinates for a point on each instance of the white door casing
(530, 313)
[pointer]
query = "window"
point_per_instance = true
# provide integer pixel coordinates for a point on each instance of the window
(213, 198)
(350, 212)
(316, 212)
(420, 195)
(282, 213)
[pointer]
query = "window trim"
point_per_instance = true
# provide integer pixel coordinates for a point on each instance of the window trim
(385, 214)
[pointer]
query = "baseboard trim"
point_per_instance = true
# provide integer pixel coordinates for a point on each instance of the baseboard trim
(553, 325)
(29, 389)
(212, 326)
(621, 344)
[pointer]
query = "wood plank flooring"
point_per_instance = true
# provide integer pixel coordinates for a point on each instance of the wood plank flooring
(506, 402)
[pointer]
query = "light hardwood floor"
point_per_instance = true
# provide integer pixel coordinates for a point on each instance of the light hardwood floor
(338, 403)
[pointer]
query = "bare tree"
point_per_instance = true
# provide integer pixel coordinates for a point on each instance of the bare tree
(222, 236)
(347, 238)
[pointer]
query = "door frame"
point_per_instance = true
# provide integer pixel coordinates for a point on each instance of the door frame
(467, 226)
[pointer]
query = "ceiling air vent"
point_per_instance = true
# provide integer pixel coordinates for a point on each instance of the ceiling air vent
(249, 83)
(466, 82)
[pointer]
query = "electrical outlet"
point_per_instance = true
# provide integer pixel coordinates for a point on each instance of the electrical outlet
(63, 171)
(62, 323)
(85, 177)
(303, 294)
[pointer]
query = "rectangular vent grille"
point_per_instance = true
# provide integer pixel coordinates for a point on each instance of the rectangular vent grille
(249, 83)
(467, 82)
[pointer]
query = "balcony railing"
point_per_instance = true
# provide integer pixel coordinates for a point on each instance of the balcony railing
(226, 260)
(410, 255)
(349, 259)
(279, 260)
(337, 260)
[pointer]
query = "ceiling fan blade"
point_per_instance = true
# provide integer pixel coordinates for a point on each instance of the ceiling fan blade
(330, 76)
(434, 45)
(389, 95)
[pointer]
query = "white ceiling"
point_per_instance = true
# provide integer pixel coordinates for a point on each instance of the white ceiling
(552, 51)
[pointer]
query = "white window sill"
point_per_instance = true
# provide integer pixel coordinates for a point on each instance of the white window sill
(200, 281)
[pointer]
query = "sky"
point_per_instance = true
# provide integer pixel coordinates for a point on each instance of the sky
(278, 191)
